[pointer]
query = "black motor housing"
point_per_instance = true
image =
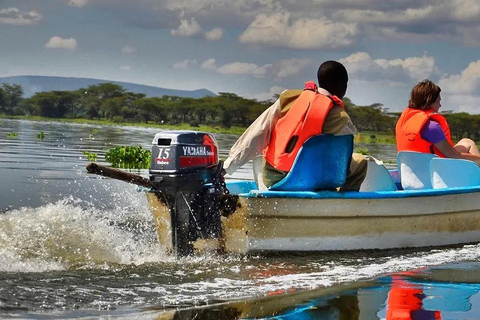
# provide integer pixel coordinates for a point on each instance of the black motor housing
(186, 171)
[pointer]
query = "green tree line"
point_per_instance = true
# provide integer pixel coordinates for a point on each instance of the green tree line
(112, 102)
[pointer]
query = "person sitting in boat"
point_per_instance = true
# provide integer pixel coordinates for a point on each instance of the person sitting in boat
(421, 128)
(332, 78)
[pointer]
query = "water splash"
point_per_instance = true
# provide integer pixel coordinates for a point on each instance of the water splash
(65, 235)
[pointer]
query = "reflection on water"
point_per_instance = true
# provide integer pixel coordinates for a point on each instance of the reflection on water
(418, 295)
(75, 245)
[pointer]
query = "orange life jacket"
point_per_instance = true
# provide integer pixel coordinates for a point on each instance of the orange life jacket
(304, 120)
(409, 126)
(405, 302)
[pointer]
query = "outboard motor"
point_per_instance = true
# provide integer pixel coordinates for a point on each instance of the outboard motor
(186, 171)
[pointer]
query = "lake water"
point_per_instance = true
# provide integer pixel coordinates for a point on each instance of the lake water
(74, 245)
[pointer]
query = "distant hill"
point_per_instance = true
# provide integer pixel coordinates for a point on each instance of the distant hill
(34, 84)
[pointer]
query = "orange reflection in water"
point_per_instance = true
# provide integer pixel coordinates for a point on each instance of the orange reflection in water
(405, 302)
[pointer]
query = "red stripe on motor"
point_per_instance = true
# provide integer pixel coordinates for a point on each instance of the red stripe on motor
(194, 161)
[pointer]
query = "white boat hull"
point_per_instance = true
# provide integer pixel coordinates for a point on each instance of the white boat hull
(334, 221)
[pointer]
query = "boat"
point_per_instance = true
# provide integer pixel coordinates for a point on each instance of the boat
(425, 201)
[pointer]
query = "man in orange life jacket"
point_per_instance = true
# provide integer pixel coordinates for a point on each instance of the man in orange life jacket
(259, 138)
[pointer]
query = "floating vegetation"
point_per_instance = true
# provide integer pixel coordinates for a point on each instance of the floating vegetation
(363, 151)
(90, 155)
(90, 136)
(11, 134)
(129, 157)
(94, 130)
(41, 135)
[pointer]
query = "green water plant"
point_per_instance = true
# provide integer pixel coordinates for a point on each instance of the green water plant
(363, 151)
(129, 157)
(41, 135)
(11, 134)
(90, 155)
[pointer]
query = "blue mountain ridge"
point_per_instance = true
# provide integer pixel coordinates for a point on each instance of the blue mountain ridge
(34, 84)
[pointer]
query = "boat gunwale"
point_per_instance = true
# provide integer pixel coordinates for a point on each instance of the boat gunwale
(328, 194)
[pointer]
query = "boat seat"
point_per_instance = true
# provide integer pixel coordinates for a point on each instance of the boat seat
(258, 174)
(321, 164)
(378, 177)
(451, 173)
(414, 169)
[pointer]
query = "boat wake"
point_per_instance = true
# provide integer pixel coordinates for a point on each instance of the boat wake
(74, 235)
(70, 234)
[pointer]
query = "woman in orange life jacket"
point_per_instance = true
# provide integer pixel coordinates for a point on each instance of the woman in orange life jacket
(421, 128)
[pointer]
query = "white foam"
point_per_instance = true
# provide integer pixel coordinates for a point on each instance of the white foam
(64, 235)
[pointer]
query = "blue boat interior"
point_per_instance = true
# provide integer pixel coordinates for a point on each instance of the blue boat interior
(417, 174)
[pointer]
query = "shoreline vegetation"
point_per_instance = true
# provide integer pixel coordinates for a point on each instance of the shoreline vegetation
(360, 137)
(226, 113)
(104, 122)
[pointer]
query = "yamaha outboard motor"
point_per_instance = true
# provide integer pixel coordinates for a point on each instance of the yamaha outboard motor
(186, 171)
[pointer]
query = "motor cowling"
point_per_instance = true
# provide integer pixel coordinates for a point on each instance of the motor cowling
(178, 152)
(186, 172)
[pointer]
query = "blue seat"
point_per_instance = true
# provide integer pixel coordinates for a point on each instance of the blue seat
(321, 164)
(414, 169)
(378, 177)
(452, 173)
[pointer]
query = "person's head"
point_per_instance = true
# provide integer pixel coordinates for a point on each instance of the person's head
(333, 76)
(425, 95)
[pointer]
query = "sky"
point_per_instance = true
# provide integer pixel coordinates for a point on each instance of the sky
(253, 48)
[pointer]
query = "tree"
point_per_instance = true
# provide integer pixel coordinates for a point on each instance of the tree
(67, 106)
(112, 107)
(3, 100)
(105, 90)
(14, 94)
(45, 104)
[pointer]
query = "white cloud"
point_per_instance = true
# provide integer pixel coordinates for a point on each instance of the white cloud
(362, 66)
(465, 10)
(278, 30)
(129, 49)
(377, 16)
(126, 68)
(13, 16)
(242, 68)
(289, 67)
(467, 82)
(78, 3)
(270, 95)
(57, 42)
(461, 103)
(208, 64)
(455, 20)
(237, 68)
(419, 68)
(214, 34)
(187, 28)
(184, 64)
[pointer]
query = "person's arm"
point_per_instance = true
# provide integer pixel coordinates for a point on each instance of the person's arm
(449, 151)
(253, 140)
(257, 136)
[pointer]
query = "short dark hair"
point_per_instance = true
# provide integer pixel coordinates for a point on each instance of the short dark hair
(333, 76)
(423, 95)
